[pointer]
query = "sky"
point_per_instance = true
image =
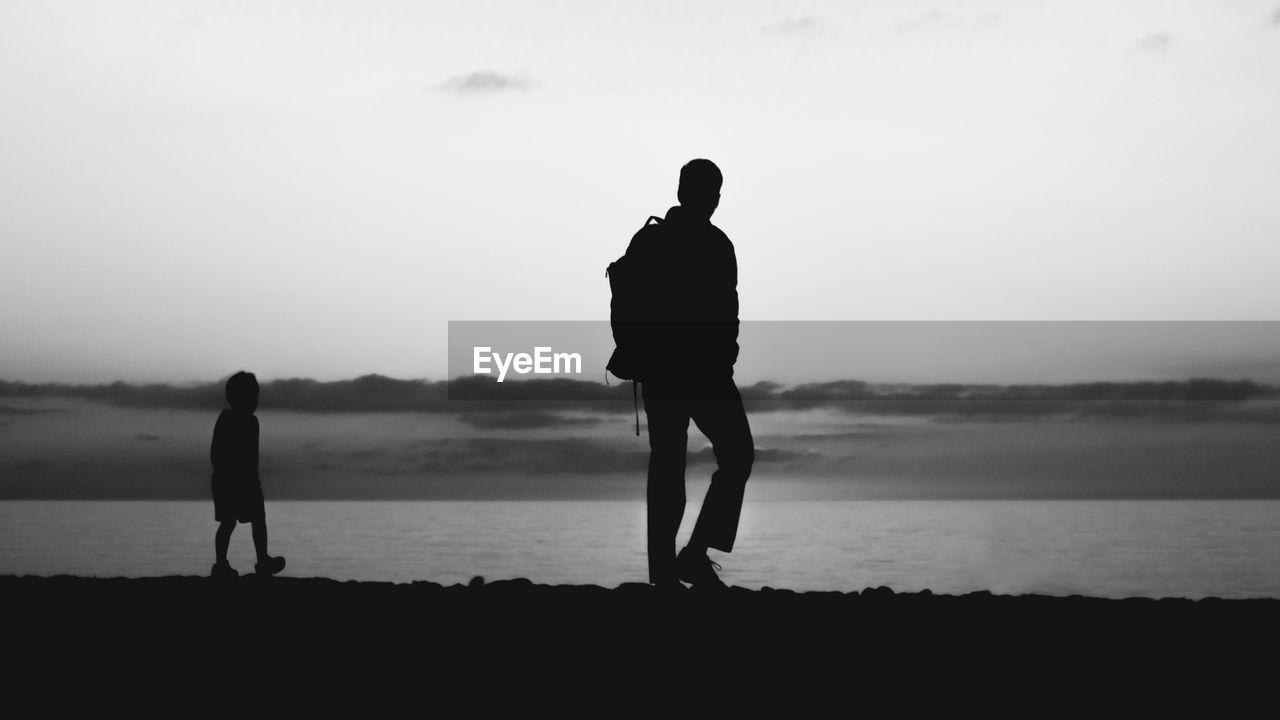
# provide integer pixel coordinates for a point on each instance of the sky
(316, 189)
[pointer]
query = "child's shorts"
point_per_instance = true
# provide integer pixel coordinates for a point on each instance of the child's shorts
(239, 503)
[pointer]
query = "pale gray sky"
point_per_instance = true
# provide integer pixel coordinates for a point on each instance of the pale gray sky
(315, 189)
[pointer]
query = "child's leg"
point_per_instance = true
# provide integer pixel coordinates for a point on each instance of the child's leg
(222, 539)
(260, 538)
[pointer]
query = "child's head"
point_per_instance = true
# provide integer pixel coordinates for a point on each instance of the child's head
(242, 392)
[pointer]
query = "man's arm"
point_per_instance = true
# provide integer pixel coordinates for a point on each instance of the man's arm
(728, 329)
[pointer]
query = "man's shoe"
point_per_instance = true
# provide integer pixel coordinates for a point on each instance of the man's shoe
(270, 566)
(698, 570)
(223, 571)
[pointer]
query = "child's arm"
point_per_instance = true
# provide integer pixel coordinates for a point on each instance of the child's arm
(217, 448)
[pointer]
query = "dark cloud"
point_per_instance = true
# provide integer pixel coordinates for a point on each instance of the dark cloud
(538, 456)
(1156, 42)
(1192, 401)
(763, 455)
(524, 420)
(388, 460)
(533, 457)
(862, 431)
(484, 82)
(26, 411)
(577, 393)
(1033, 399)
(560, 456)
(484, 403)
(370, 393)
(1262, 369)
(118, 393)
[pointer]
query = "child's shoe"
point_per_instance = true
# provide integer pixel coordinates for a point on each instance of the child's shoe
(223, 571)
(269, 566)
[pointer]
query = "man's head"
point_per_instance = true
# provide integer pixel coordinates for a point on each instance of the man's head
(699, 191)
(242, 392)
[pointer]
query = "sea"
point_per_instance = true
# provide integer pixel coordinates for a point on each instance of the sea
(1104, 548)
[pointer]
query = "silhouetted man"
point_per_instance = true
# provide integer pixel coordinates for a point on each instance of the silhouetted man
(691, 347)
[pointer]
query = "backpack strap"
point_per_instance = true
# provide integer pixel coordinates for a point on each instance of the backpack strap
(653, 221)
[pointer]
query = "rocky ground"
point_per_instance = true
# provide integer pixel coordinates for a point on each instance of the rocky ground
(512, 646)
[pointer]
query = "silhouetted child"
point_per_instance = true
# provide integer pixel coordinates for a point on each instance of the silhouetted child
(237, 492)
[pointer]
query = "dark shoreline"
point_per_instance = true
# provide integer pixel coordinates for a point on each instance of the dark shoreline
(485, 636)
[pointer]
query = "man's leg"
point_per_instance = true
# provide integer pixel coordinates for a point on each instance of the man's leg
(668, 422)
(724, 421)
(260, 538)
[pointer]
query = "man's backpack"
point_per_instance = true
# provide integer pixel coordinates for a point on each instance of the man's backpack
(630, 284)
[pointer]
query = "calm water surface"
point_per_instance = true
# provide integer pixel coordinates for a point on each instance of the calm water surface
(1107, 548)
